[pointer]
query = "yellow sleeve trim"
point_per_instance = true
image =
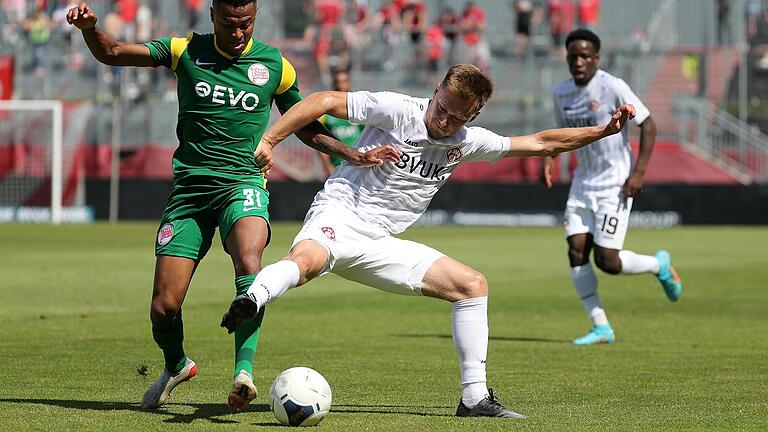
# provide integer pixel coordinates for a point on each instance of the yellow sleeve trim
(178, 46)
(288, 78)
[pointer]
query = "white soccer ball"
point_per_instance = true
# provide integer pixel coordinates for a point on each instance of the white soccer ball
(300, 396)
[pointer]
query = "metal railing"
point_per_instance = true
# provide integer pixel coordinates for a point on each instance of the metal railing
(724, 140)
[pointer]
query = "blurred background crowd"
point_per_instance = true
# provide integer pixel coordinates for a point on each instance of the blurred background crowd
(672, 52)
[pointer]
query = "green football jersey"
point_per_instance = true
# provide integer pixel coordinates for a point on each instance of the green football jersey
(224, 105)
(346, 132)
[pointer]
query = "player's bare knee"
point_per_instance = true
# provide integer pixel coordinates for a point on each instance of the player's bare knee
(475, 286)
(577, 257)
(248, 263)
(608, 263)
(163, 309)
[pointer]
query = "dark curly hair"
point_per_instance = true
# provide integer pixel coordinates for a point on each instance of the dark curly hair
(585, 35)
(234, 2)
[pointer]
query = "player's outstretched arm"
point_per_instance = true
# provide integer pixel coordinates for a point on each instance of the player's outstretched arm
(301, 119)
(105, 48)
(555, 141)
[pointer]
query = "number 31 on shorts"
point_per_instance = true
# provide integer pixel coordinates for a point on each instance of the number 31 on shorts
(252, 199)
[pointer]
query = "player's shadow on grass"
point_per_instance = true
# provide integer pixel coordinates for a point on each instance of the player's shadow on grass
(202, 411)
(413, 410)
(493, 338)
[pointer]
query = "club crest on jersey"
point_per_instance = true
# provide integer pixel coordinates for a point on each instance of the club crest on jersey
(165, 234)
(593, 105)
(453, 154)
(258, 74)
(328, 231)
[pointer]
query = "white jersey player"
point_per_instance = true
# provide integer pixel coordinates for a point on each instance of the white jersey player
(604, 183)
(350, 225)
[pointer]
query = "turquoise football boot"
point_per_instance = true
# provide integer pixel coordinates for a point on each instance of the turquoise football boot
(668, 277)
(599, 334)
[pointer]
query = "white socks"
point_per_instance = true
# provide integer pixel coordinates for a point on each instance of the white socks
(470, 336)
(585, 283)
(632, 263)
(273, 281)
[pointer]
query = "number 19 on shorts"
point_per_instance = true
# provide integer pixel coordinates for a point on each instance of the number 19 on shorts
(610, 224)
(252, 199)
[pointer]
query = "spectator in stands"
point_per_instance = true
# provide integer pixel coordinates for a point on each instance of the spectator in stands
(15, 10)
(126, 10)
(523, 20)
(473, 25)
(191, 11)
(414, 19)
(387, 22)
(589, 14)
(38, 31)
(73, 57)
(327, 16)
(338, 53)
(560, 16)
(450, 25)
(753, 10)
(143, 22)
(356, 31)
(435, 42)
(723, 21)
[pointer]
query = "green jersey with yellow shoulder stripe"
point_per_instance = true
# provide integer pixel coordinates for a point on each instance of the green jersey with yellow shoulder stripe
(224, 104)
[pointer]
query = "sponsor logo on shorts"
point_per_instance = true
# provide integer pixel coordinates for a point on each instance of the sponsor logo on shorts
(165, 235)
(453, 154)
(258, 74)
(328, 231)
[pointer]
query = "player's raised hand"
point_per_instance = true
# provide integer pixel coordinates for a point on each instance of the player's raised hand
(619, 119)
(263, 155)
(377, 156)
(82, 16)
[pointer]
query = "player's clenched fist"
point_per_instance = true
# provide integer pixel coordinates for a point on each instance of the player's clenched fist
(82, 16)
(619, 119)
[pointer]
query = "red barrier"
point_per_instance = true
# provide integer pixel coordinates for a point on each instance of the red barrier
(6, 77)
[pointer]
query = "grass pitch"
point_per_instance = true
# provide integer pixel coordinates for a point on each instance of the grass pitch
(76, 337)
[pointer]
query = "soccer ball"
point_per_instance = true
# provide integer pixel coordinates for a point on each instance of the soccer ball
(300, 396)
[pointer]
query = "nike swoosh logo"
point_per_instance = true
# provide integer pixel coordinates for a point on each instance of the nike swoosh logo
(199, 63)
(245, 209)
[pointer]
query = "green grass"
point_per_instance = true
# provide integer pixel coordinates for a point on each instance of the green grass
(74, 323)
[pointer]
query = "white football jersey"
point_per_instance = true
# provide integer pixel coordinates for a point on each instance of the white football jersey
(392, 196)
(604, 164)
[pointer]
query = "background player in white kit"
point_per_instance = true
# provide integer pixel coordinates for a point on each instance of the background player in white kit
(604, 183)
(350, 226)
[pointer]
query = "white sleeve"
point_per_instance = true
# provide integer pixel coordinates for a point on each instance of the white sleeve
(625, 95)
(484, 145)
(558, 112)
(384, 110)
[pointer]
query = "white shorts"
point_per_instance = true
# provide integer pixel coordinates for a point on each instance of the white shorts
(606, 218)
(365, 255)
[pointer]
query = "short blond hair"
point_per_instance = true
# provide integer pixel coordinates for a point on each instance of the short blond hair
(468, 82)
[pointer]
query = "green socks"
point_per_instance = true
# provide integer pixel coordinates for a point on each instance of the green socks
(247, 336)
(169, 336)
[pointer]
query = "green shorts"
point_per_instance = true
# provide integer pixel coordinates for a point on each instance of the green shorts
(192, 214)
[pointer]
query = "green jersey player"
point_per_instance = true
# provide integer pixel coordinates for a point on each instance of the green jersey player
(227, 83)
(346, 132)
